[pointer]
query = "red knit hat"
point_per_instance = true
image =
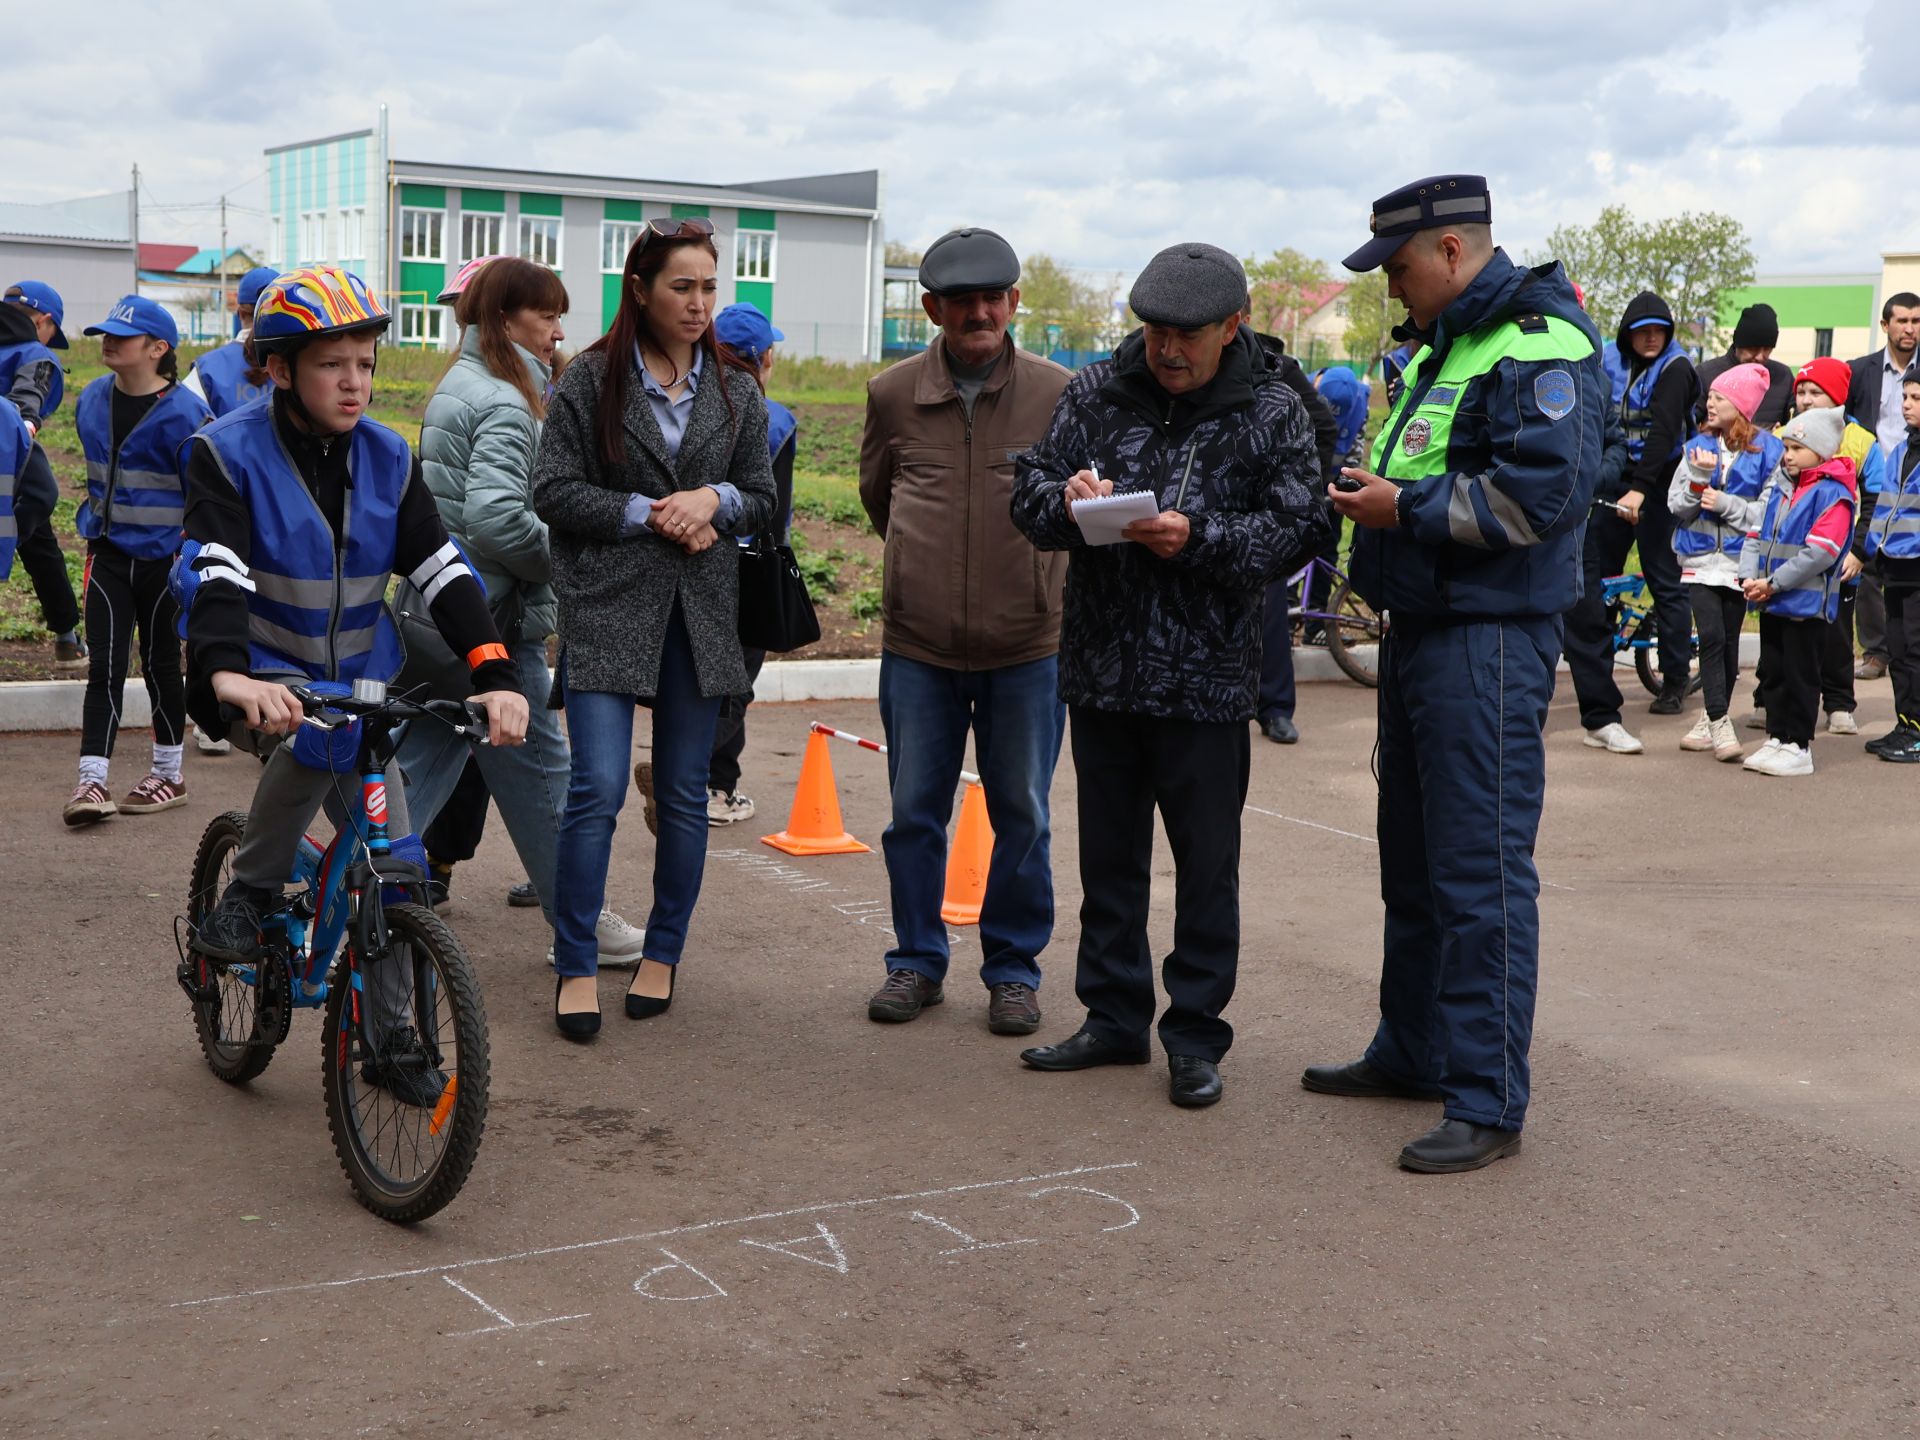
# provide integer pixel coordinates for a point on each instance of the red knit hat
(1831, 375)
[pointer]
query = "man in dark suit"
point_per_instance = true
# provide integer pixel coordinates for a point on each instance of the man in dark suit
(1755, 334)
(1873, 400)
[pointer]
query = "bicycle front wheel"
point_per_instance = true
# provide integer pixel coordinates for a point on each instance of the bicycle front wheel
(405, 1067)
(1355, 625)
(225, 997)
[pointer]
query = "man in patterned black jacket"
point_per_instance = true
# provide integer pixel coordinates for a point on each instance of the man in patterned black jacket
(1160, 644)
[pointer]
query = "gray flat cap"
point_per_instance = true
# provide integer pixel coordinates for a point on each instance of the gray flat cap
(1189, 285)
(971, 259)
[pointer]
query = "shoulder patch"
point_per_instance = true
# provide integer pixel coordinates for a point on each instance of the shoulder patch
(1554, 393)
(1531, 324)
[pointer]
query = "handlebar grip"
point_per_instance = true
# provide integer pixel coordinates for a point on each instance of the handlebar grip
(229, 715)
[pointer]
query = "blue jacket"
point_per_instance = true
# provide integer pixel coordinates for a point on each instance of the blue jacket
(222, 378)
(312, 611)
(1347, 395)
(15, 445)
(1746, 477)
(1894, 530)
(1499, 532)
(136, 495)
(29, 354)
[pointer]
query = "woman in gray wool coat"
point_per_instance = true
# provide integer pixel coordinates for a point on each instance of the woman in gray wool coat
(655, 448)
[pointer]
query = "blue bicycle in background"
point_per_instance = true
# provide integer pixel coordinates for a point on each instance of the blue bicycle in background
(404, 1060)
(1630, 617)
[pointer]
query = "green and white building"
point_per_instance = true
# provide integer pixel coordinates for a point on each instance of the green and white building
(808, 250)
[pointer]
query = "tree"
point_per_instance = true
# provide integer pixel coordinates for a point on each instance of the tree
(1058, 309)
(1689, 260)
(1282, 289)
(1371, 316)
(901, 253)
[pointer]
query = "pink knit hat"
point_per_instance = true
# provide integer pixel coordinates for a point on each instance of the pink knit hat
(1745, 385)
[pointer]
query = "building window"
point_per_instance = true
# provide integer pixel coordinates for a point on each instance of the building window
(1822, 344)
(540, 239)
(753, 255)
(420, 234)
(353, 240)
(309, 238)
(277, 245)
(616, 239)
(424, 325)
(481, 235)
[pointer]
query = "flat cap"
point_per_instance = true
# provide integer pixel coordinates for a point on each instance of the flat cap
(1189, 285)
(971, 259)
(1429, 204)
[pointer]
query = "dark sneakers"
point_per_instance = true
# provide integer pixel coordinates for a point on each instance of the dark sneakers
(232, 931)
(1900, 745)
(905, 995)
(1012, 1009)
(1669, 700)
(404, 1070)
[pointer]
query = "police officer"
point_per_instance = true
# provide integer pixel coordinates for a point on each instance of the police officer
(1470, 532)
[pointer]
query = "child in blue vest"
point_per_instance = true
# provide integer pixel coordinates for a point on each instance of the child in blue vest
(1790, 568)
(32, 378)
(16, 443)
(132, 424)
(224, 377)
(1893, 542)
(300, 511)
(1714, 500)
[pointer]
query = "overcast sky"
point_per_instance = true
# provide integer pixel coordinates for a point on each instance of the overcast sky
(1097, 132)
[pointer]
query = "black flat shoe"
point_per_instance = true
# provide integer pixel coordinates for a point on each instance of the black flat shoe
(1358, 1078)
(574, 1024)
(645, 1007)
(1192, 1082)
(1081, 1050)
(1453, 1146)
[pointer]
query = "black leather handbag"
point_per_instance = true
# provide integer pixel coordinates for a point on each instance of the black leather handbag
(776, 613)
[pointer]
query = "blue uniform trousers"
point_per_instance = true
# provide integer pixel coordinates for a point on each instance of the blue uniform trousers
(1276, 653)
(1462, 777)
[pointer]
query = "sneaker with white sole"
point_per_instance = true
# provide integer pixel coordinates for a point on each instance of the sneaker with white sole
(156, 792)
(1765, 752)
(728, 807)
(1726, 740)
(90, 804)
(1841, 722)
(1786, 760)
(207, 745)
(618, 941)
(1700, 737)
(1614, 739)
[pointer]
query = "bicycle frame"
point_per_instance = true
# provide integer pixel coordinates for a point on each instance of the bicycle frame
(1303, 578)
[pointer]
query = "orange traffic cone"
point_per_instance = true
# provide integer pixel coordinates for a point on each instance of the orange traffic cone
(814, 826)
(967, 861)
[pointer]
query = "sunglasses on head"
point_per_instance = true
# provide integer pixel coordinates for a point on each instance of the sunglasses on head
(694, 227)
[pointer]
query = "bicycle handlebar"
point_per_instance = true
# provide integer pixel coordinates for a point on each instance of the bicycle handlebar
(464, 716)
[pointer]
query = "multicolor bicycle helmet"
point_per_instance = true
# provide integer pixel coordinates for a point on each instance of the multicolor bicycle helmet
(462, 278)
(314, 301)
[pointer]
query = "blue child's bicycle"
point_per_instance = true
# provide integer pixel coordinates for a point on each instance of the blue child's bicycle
(404, 1050)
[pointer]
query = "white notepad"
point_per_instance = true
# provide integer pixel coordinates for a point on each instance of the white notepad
(1102, 519)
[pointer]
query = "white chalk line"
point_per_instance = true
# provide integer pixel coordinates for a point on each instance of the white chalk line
(1364, 839)
(693, 1229)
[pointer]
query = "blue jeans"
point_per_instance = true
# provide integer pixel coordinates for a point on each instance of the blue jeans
(601, 729)
(528, 782)
(1017, 721)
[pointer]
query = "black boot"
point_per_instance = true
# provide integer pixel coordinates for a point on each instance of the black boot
(232, 931)
(1673, 694)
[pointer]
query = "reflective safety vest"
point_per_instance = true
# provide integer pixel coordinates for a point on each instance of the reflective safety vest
(1636, 405)
(135, 499)
(314, 609)
(223, 378)
(1746, 477)
(12, 357)
(1784, 528)
(15, 445)
(1895, 527)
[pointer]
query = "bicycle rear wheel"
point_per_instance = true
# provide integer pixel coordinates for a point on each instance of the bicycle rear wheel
(225, 997)
(405, 1068)
(1355, 624)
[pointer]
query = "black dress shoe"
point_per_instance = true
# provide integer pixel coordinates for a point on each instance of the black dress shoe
(1081, 1050)
(1456, 1145)
(1361, 1079)
(645, 1007)
(1280, 730)
(1192, 1082)
(575, 1024)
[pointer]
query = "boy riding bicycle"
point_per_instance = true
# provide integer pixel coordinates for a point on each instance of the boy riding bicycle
(299, 511)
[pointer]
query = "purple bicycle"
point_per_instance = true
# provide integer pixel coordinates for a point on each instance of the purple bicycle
(1350, 628)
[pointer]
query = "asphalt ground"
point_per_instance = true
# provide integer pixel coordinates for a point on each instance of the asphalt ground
(762, 1215)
